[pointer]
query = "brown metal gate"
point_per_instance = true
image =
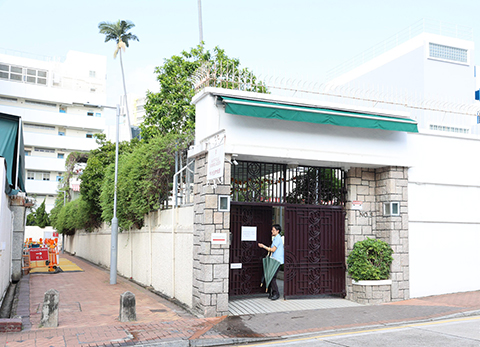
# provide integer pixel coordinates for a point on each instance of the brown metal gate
(246, 269)
(314, 224)
(314, 250)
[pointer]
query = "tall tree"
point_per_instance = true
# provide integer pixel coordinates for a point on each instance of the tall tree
(39, 217)
(118, 31)
(170, 110)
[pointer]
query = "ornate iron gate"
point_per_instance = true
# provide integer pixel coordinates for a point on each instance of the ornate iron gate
(246, 280)
(314, 225)
(314, 250)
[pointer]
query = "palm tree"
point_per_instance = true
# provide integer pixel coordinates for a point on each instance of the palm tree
(118, 32)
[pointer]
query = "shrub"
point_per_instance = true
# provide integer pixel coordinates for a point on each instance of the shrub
(71, 217)
(144, 180)
(370, 259)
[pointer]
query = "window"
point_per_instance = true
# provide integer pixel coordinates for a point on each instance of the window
(391, 209)
(60, 155)
(89, 136)
(62, 109)
(90, 113)
(92, 74)
(6, 98)
(21, 74)
(37, 126)
(448, 53)
(44, 150)
(449, 129)
(61, 133)
(44, 176)
(38, 175)
(28, 153)
(98, 114)
(32, 102)
(59, 178)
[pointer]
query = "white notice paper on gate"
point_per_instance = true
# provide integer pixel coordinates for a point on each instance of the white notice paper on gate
(249, 233)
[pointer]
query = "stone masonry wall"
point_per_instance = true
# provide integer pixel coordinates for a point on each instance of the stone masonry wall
(392, 186)
(373, 187)
(210, 262)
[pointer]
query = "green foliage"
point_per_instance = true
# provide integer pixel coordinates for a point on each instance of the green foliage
(316, 186)
(144, 180)
(170, 110)
(72, 217)
(31, 219)
(117, 31)
(93, 175)
(39, 216)
(370, 259)
(57, 208)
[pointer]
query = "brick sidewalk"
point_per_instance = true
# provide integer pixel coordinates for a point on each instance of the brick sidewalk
(89, 309)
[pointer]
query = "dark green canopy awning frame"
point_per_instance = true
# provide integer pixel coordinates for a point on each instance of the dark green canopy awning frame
(261, 109)
(11, 148)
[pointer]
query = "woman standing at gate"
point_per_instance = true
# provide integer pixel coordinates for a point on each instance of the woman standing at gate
(278, 254)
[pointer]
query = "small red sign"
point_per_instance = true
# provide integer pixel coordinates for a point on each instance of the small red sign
(55, 234)
(38, 254)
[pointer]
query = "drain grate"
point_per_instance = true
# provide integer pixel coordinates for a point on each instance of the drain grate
(159, 310)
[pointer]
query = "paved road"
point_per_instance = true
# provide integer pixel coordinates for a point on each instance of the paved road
(463, 332)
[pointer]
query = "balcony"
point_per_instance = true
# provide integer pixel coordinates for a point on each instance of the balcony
(44, 164)
(41, 187)
(30, 115)
(51, 94)
(59, 142)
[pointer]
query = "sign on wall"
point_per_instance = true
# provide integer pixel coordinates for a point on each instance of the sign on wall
(357, 205)
(219, 238)
(215, 164)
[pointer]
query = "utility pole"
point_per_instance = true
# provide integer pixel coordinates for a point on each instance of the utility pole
(114, 238)
(200, 26)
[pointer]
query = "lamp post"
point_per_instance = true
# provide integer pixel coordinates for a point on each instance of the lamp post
(200, 25)
(114, 237)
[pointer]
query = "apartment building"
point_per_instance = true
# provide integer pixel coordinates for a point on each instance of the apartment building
(60, 101)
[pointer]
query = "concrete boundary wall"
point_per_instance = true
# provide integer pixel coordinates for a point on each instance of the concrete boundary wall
(146, 255)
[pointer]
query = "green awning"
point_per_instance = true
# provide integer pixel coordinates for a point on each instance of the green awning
(11, 148)
(260, 109)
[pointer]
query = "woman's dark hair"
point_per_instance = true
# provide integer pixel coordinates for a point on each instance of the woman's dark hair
(278, 227)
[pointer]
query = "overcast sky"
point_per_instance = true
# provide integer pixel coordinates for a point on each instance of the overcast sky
(298, 38)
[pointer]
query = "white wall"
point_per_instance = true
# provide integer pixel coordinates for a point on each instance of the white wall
(444, 205)
(146, 255)
(285, 141)
(6, 231)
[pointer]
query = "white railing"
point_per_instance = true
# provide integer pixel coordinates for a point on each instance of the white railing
(31, 55)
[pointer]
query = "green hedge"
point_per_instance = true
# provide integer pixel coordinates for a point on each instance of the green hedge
(370, 259)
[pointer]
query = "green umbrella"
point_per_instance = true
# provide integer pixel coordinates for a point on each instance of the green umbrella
(270, 267)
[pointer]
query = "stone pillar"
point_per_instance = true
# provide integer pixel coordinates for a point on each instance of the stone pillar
(128, 311)
(360, 223)
(210, 261)
(392, 186)
(17, 206)
(373, 188)
(50, 309)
